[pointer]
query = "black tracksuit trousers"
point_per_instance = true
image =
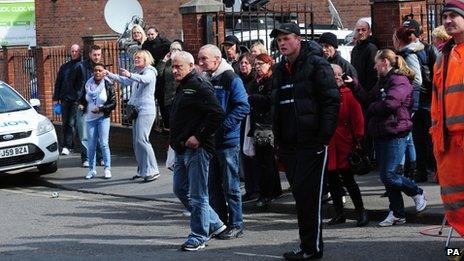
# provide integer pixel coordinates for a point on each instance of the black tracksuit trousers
(305, 172)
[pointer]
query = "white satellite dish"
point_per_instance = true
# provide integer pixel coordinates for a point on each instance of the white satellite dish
(119, 12)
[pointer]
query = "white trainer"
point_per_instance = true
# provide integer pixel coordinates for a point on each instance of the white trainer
(421, 201)
(392, 220)
(107, 174)
(91, 174)
(85, 164)
(65, 151)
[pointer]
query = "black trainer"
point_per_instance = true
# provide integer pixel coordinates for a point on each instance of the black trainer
(231, 233)
(151, 177)
(218, 231)
(299, 254)
(192, 246)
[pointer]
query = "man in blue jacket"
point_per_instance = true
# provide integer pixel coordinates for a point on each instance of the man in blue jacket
(224, 180)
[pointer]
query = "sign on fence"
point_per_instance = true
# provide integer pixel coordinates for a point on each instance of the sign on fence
(17, 22)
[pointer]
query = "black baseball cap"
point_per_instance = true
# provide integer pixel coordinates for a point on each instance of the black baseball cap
(231, 40)
(285, 28)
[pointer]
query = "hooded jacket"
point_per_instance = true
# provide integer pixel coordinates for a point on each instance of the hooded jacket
(308, 118)
(232, 97)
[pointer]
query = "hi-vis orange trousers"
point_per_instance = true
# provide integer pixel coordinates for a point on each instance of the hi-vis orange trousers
(450, 166)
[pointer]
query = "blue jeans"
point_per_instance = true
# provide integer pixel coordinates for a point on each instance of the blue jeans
(389, 153)
(98, 134)
(191, 187)
(410, 150)
(224, 186)
(81, 129)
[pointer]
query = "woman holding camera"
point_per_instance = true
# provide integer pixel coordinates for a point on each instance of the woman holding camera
(261, 122)
(347, 136)
(142, 99)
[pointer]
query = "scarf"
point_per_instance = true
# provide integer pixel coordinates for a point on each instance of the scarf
(93, 89)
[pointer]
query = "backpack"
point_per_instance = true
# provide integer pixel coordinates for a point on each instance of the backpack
(423, 96)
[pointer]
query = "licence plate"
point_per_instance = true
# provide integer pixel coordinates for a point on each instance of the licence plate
(11, 152)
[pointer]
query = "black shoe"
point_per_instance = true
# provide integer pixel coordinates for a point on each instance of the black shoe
(247, 197)
(231, 233)
(151, 177)
(189, 246)
(298, 254)
(136, 177)
(384, 195)
(263, 202)
(338, 219)
(363, 219)
(218, 231)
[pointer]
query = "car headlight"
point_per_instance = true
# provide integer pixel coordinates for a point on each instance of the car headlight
(44, 127)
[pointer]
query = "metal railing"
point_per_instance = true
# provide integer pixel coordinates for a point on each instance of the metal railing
(25, 82)
(256, 25)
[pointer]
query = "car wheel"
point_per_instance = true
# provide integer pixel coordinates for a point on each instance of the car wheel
(47, 168)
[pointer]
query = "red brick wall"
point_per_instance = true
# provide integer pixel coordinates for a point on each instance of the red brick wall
(65, 22)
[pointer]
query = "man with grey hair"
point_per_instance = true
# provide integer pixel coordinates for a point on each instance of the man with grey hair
(224, 180)
(195, 117)
(67, 95)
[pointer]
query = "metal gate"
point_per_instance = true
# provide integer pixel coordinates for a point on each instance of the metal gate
(256, 24)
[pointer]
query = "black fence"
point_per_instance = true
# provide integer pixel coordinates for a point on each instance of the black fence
(255, 25)
(432, 16)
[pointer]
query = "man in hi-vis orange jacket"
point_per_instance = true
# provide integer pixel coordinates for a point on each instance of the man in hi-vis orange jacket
(448, 115)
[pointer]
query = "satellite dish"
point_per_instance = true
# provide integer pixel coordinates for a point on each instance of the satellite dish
(119, 12)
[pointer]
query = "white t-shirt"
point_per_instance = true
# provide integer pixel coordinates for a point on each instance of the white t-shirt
(95, 103)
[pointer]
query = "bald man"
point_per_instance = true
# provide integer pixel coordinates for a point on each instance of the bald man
(67, 96)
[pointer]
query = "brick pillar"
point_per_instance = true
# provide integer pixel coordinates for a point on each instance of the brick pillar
(8, 58)
(202, 23)
(387, 15)
(45, 76)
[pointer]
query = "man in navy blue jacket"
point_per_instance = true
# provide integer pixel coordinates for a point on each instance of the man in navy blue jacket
(224, 180)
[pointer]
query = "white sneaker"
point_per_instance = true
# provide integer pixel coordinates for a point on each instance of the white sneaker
(65, 151)
(107, 174)
(421, 201)
(91, 174)
(343, 199)
(392, 220)
(85, 164)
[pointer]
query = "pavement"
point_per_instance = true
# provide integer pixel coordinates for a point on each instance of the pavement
(70, 176)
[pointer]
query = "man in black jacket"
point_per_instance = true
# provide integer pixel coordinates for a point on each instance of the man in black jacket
(305, 112)
(195, 117)
(329, 44)
(67, 95)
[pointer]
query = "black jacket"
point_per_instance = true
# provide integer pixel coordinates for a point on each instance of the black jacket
(346, 66)
(110, 103)
(195, 111)
(315, 100)
(81, 74)
(65, 89)
(158, 48)
(363, 60)
(259, 98)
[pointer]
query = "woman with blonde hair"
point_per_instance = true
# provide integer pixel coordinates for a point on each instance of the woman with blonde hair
(389, 109)
(257, 48)
(143, 82)
(440, 37)
(138, 34)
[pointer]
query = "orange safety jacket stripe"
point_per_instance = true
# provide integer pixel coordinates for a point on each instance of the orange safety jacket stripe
(448, 95)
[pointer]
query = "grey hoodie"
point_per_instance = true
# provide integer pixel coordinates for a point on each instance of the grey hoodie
(143, 89)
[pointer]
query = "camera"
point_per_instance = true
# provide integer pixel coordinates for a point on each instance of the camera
(344, 76)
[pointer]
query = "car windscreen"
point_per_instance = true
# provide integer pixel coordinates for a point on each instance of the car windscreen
(10, 101)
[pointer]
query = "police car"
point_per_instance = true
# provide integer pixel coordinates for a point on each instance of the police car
(27, 138)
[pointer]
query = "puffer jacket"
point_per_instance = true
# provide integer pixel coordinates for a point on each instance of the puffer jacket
(232, 96)
(389, 105)
(314, 97)
(346, 66)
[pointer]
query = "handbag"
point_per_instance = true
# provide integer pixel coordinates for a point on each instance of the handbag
(360, 164)
(248, 146)
(130, 113)
(263, 135)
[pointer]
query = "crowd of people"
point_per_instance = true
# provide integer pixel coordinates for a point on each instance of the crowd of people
(237, 113)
